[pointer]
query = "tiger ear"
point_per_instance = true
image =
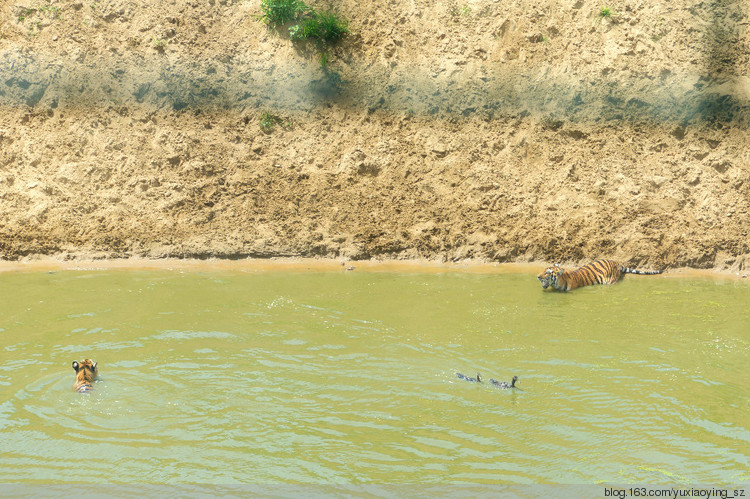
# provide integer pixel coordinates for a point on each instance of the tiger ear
(94, 366)
(75, 365)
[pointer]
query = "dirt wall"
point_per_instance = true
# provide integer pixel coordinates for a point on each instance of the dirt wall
(489, 130)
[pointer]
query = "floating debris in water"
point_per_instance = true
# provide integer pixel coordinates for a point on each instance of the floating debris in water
(468, 378)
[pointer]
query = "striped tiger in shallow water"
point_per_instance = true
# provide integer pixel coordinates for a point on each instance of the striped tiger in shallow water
(598, 272)
(86, 373)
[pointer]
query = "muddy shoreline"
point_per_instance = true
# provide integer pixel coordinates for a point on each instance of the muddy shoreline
(254, 265)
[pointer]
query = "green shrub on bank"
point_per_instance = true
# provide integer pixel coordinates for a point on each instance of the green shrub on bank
(309, 24)
(321, 26)
(279, 12)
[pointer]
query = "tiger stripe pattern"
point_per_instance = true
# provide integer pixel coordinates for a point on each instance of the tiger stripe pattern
(86, 373)
(597, 272)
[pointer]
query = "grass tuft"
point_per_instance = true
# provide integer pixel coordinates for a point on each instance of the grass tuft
(332, 26)
(280, 12)
(321, 26)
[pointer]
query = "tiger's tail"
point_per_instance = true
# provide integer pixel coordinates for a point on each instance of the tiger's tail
(626, 270)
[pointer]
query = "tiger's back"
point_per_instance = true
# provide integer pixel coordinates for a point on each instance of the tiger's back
(597, 272)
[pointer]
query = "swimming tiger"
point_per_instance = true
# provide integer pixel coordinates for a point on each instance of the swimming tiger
(86, 373)
(598, 272)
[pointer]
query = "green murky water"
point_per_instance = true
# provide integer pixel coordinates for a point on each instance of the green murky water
(350, 377)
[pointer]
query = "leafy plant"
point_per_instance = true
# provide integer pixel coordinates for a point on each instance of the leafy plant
(320, 26)
(279, 12)
(332, 26)
(605, 11)
(268, 121)
(304, 30)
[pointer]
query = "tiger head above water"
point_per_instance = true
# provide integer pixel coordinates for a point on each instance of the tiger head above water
(549, 276)
(86, 373)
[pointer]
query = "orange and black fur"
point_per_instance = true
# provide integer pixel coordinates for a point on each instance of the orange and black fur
(86, 373)
(598, 272)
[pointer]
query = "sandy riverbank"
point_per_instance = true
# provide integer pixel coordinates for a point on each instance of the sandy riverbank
(525, 133)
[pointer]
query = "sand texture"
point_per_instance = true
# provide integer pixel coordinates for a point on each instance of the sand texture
(496, 131)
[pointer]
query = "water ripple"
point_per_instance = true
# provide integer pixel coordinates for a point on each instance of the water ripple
(271, 378)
